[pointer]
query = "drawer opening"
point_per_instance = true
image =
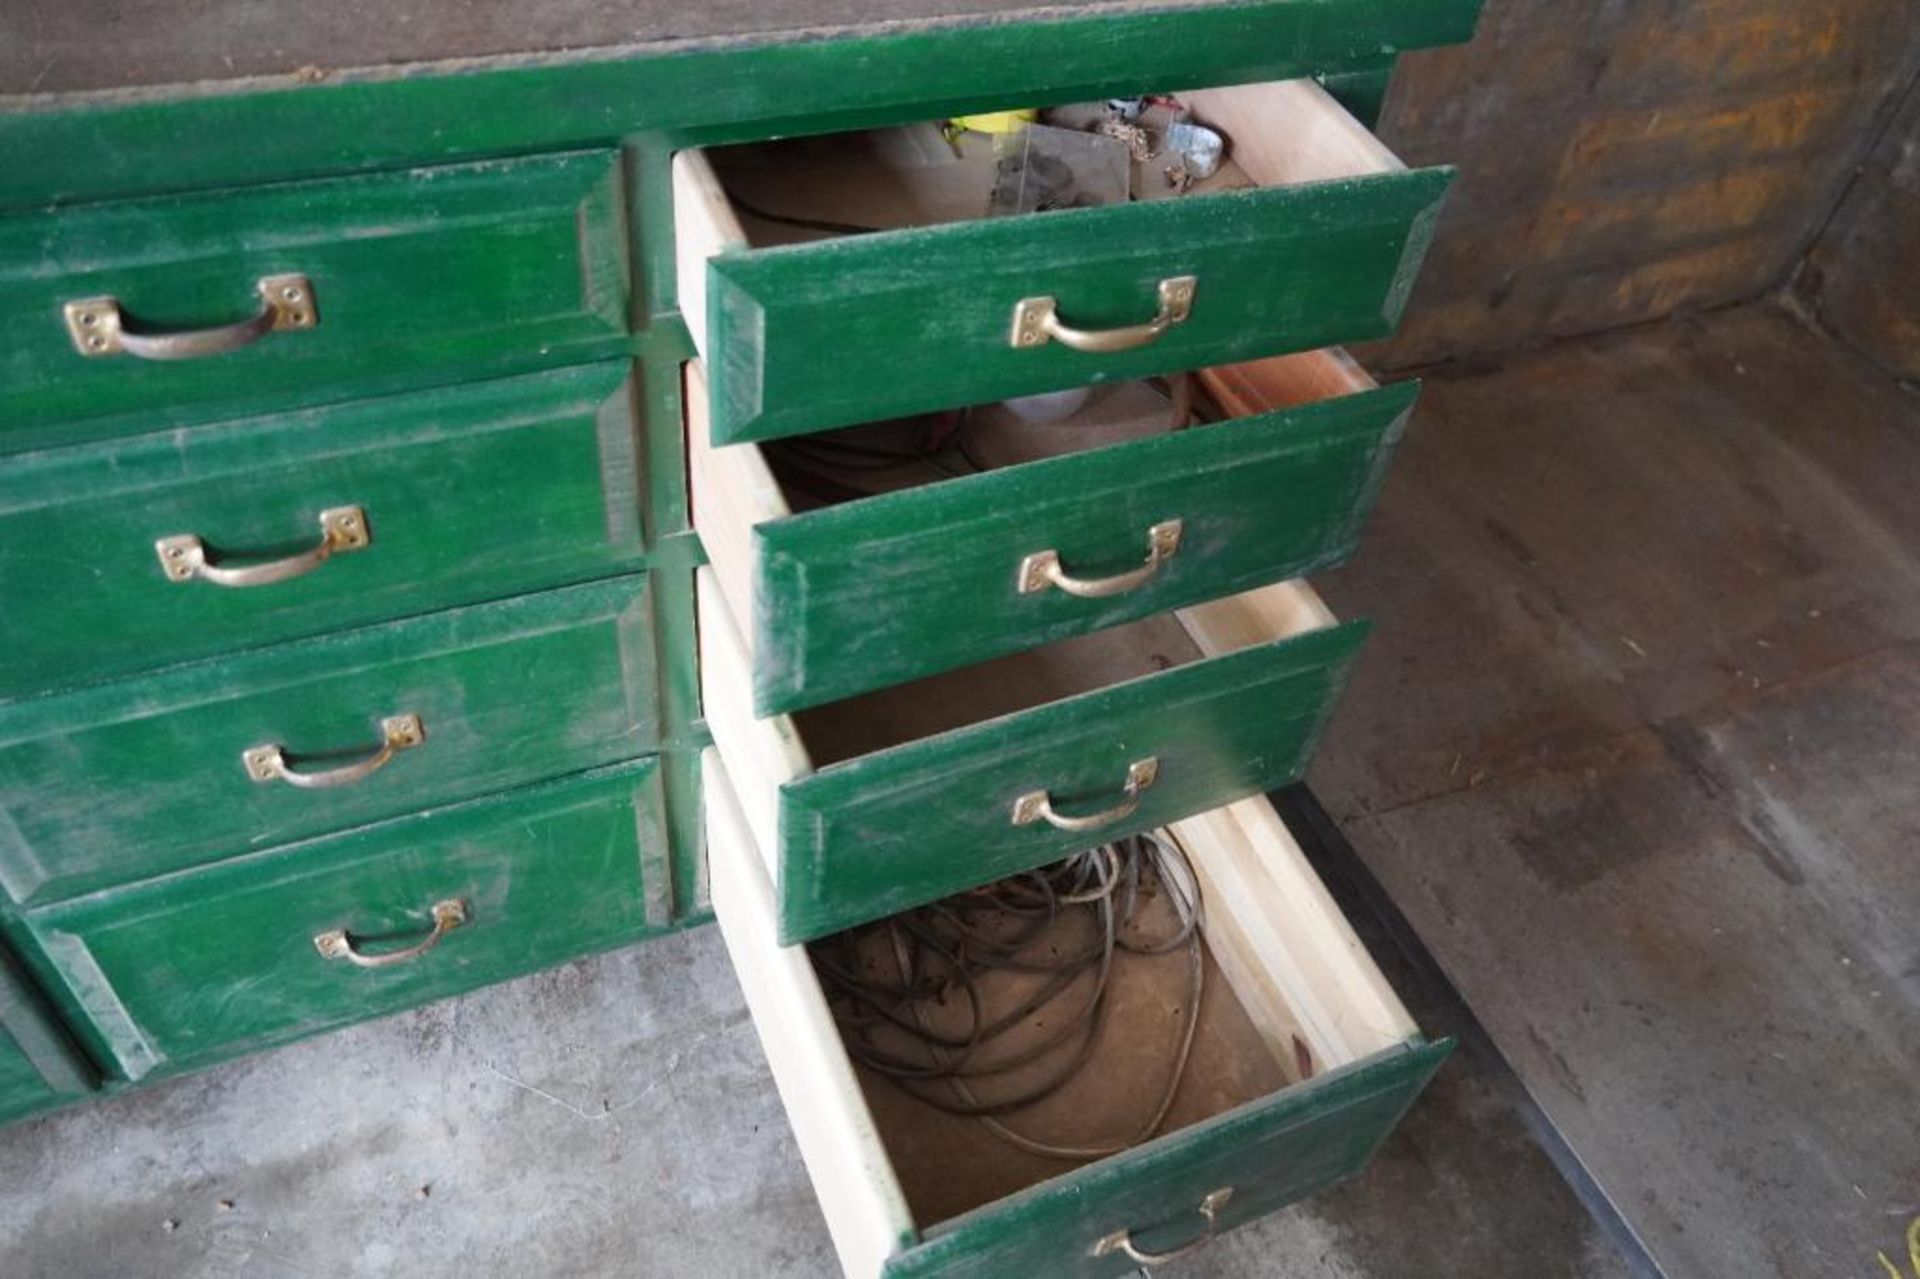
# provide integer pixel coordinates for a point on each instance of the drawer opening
(835, 280)
(850, 532)
(759, 195)
(775, 751)
(1290, 996)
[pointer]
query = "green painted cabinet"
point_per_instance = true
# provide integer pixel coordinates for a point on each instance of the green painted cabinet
(465, 494)
(196, 966)
(414, 278)
(890, 588)
(926, 312)
(126, 780)
(874, 835)
(40, 1066)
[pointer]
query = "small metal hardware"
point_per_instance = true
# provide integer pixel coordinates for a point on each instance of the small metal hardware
(183, 557)
(99, 328)
(337, 944)
(1035, 806)
(397, 733)
(1036, 321)
(1122, 1240)
(1042, 569)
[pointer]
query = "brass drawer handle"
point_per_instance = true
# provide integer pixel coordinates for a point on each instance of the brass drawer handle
(1122, 1240)
(1042, 569)
(1036, 321)
(183, 557)
(447, 916)
(397, 733)
(99, 328)
(1037, 805)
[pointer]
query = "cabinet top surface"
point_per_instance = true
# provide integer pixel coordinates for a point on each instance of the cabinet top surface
(83, 46)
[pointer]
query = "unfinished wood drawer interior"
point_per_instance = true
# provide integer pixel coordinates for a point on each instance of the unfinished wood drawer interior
(1303, 1062)
(848, 580)
(1310, 235)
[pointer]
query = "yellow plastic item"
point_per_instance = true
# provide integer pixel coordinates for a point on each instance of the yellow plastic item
(998, 121)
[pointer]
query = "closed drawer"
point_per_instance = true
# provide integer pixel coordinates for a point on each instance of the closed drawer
(275, 946)
(39, 1064)
(1321, 246)
(406, 279)
(132, 554)
(1288, 1092)
(882, 802)
(125, 780)
(1079, 525)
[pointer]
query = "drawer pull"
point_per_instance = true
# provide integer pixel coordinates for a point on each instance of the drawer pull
(447, 916)
(1122, 1240)
(1042, 569)
(99, 328)
(183, 557)
(1038, 805)
(397, 732)
(1036, 321)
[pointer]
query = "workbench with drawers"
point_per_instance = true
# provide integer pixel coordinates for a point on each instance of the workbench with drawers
(398, 591)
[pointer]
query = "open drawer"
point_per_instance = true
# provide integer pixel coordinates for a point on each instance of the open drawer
(1300, 1069)
(891, 800)
(1311, 235)
(1078, 525)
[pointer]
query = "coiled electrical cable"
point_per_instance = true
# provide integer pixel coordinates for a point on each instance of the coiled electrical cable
(966, 944)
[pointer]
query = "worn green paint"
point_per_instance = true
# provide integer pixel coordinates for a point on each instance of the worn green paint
(879, 591)
(471, 493)
(22, 1088)
(433, 276)
(39, 1064)
(134, 778)
(1272, 1152)
(220, 961)
(878, 834)
(68, 149)
(926, 312)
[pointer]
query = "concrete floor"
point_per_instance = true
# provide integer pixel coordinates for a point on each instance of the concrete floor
(1634, 748)
(616, 1117)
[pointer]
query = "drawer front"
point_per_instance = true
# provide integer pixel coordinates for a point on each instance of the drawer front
(1281, 1148)
(463, 494)
(880, 591)
(224, 960)
(876, 835)
(126, 780)
(411, 279)
(1268, 1154)
(803, 337)
(39, 1065)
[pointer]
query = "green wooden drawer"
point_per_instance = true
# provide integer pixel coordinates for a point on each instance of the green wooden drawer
(802, 336)
(223, 960)
(121, 781)
(889, 801)
(1319, 1073)
(417, 278)
(39, 1065)
(888, 588)
(464, 494)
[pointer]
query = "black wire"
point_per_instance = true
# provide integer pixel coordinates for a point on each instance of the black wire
(943, 955)
(809, 224)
